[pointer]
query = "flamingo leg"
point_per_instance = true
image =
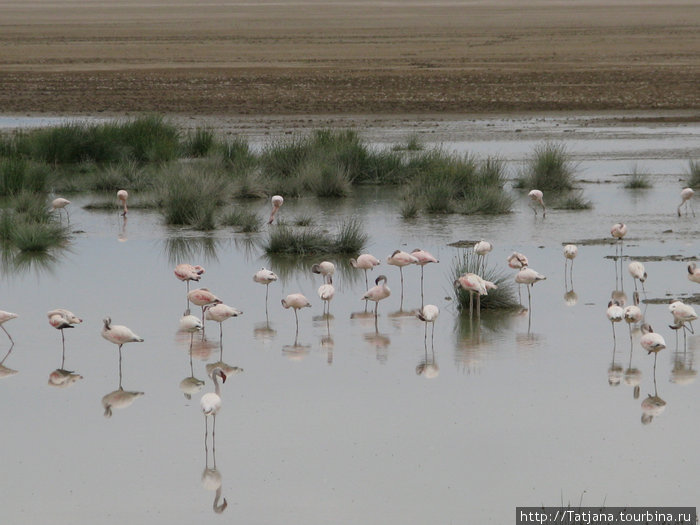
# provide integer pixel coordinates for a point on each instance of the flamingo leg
(401, 272)
(478, 306)
(63, 355)
(366, 281)
(8, 333)
(421, 287)
(267, 291)
(613, 329)
(432, 335)
(120, 366)
(376, 307)
(296, 317)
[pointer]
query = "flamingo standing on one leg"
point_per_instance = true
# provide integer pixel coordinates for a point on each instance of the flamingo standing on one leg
(618, 232)
(686, 195)
(423, 258)
(277, 202)
(122, 196)
(60, 319)
(4, 317)
(187, 272)
(529, 277)
(517, 261)
(365, 262)
(377, 293)
(119, 335)
(400, 258)
(652, 342)
(326, 292)
(219, 312)
(537, 197)
(325, 269)
(211, 401)
(265, 276)
(615, 314)
(60, 204)
(570, 253)
(428, 314)
(296, 301)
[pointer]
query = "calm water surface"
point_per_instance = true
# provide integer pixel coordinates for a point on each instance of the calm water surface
(336, 425)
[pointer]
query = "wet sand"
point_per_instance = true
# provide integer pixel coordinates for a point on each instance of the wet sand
(348, 58)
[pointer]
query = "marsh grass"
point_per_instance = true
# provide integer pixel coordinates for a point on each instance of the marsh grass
(350, 238)
(413, 143)
(18, 175)
(199, 142)
(694, 174)
(409, 207)
(243, 220)
(638, 180)
(27, 225)
(304, 220)
(237, 155)
(502, 298)
(189, 198)
(549, 168)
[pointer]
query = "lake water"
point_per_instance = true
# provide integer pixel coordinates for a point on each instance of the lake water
(336, 425)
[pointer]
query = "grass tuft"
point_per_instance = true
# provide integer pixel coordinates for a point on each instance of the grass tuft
(502, 298)
(287, 240)
(244, 220)
(638, 180)
(694, 173)
(198, 143)
(549, 168)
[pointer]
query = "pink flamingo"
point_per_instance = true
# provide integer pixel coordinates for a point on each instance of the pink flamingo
(219, 312)
(570, 253)
(615, 313)
(638, 273)
(122, 196)
(686, 195)
(60, 319)
(202, 297)
(265, 276)
(423, 258)
(517, 261)
(277, 202)
(537, 197)
(325, 268)
(400, 258)
(326, 292)
(187, 272)
(296, 301)
(428, 314)
(377, 293)
(694, 273)
(4, 317)
(474, 284)
(652, 342)
(529, 277)
(482, 249)
(60, 204)
(365, 262)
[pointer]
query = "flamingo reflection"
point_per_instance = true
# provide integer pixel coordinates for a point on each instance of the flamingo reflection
(5, 371)
(191, 385)
(211, 477)
(653, 405)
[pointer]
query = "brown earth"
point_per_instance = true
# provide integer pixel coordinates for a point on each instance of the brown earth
(284, 57)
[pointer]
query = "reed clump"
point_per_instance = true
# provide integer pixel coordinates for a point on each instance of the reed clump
(27, 225)
(19, 175)
(638, 180)
(287, 240)
(199, 142)
(243, 220)
(501, 298)
(549, 168)
(694, 174)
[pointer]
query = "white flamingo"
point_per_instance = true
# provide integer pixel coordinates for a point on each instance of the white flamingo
(60, 204)
(423, 258)
(326, 292)
(122, 196)
(537, 197)
(694, 273)
(277, 202)
(219, 312)
(211, 401)
(615, 314)
(428, 314)
(638, 273)
(265, 276)
(686, 195)
(296, 301)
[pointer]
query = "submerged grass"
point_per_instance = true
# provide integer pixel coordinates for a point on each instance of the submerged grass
(549, 168)
(287, 240)
(571, 200)
(244, 220)
(638, 180)
(502, 298)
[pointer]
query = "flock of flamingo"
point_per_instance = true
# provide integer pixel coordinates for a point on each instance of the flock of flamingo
(214, 309)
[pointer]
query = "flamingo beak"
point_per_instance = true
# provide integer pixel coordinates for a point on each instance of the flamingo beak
(223, 377)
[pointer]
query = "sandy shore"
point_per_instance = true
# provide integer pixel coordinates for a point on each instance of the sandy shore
(347, 57)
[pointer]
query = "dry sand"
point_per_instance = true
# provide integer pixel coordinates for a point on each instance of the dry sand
(286, 57)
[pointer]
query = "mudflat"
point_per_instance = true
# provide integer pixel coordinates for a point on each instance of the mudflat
(284, 57)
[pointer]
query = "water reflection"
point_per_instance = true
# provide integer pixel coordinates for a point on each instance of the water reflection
(683, 372)
(211, 477)
(180, 248)
(122, 236)
(119, 398)
(264, 332)
(327, 343)
(5, 371)
(428, 366)
(288, 267)
(18, 263)
(191, 385)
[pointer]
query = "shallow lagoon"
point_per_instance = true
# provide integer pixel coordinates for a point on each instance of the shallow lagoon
(340, 427)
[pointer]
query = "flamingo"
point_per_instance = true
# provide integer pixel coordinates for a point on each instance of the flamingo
(377, 293)
(324, 268)
(529, 277)
(60, 319)
(202, 297)
(4, 317)
(537, 197)
(187, 272)
(482, 249)
(517, 261)
(365, 262)
(694, 273)
(211, 401)
(633, 314)
(638, 273)
(60, 204)
(326, 292)
(570, 253)
(615, 314)
(652, 342)
(190, 323)
(400, 258)
(265, 276)
(428, 314)
(296, 301)
(277, 202)
(682, 314)
(118, 334)
(686, 195)
(219, 312)
(423, 258)
(474, 284)
(122, 196)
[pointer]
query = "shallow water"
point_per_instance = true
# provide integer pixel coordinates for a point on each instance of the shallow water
(339, 427)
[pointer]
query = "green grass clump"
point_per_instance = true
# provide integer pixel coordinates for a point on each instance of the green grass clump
(549, 168)
(189, 198)
(502, 298)
(638, 180)
(412, 143)
(694, 173)
(28, 226)
(199, 143)
(18, 175)
(409, 207)
(304, 220)
(244, 220)
(286, 240)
